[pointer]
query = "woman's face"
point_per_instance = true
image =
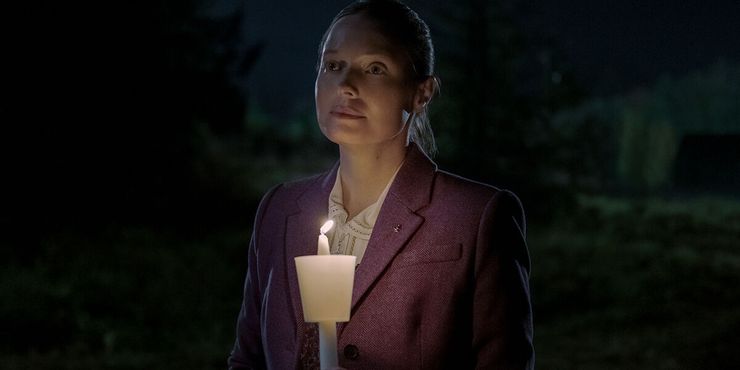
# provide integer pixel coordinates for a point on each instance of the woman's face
(362, 94)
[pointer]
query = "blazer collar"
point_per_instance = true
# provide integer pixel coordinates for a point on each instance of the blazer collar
(411, 187)
(413, 184)
(397, 220)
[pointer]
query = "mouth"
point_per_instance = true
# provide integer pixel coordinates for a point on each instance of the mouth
(346, 112)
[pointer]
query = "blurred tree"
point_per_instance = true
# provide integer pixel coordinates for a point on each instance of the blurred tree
(643, 129)
(646, 152)
(500, 88)
(109, 97)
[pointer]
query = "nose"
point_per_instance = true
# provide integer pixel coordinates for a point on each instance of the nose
(347, 84)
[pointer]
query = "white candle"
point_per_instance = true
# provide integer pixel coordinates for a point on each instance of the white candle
(325, 283)
(328, 355)
(323, 240)
(327, 329)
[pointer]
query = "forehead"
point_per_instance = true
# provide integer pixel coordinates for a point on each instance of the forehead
(358, 33)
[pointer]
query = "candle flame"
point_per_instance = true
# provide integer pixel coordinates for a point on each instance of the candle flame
(327, 226)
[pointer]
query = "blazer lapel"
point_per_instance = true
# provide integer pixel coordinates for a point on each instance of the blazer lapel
(397, 221)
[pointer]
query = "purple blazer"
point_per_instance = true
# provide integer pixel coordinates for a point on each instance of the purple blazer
(444, 282)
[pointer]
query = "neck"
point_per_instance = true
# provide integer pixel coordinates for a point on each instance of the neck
(366, 171)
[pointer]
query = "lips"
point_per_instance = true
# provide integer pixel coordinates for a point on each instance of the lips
(346, 112)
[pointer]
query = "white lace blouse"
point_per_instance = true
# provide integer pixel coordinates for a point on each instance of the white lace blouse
(351, 237)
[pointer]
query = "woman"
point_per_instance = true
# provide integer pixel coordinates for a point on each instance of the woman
(442, 279)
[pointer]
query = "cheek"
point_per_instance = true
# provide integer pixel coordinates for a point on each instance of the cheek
(318, 88)
(320, 94)
(397, 95)
(394, 102)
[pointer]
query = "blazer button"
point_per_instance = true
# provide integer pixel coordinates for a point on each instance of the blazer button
(351, 352)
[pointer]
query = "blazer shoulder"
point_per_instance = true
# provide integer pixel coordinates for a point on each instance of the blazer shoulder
(292, 190)
(463, 187)
(477, 194)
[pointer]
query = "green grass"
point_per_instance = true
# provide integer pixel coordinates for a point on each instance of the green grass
(125, 300)
(617, 284)
(649, 284)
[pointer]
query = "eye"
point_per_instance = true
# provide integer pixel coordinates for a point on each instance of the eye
(376, 69)
(331, 66)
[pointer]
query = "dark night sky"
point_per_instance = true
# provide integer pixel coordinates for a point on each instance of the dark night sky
(85, 79)
(612, 47)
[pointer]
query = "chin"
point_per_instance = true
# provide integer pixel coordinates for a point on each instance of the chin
(332, 133)
(339, 131)
(343, 139)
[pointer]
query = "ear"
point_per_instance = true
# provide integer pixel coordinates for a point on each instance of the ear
(423, 94)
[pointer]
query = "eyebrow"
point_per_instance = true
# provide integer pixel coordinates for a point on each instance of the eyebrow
(380, 53)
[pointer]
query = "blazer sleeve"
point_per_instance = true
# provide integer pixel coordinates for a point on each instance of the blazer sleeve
(247, 352)
(502, 312)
